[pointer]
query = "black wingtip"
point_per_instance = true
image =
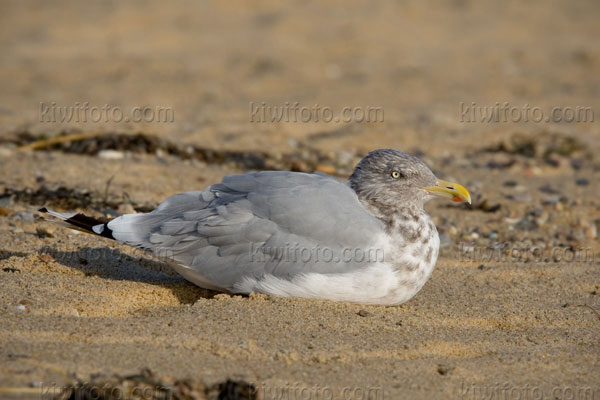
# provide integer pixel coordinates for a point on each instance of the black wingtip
(84, 223)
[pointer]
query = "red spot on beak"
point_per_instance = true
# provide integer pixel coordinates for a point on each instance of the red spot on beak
(456, 198)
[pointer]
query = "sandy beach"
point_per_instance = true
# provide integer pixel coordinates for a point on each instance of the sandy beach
(511, 310)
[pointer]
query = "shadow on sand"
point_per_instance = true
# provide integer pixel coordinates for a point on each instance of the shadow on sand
(112, 263)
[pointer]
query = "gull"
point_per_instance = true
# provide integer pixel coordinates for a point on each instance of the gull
(367, 241)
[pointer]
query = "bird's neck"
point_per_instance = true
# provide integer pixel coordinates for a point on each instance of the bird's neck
(396, 219)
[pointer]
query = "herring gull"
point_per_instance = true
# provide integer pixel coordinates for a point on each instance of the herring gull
(284, 233)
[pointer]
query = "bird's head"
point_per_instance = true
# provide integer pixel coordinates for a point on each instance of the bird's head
(388, 179)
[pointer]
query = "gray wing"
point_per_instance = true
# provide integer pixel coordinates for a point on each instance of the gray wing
(257, 224)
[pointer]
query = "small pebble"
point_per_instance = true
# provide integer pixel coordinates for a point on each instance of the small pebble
(125, 208)
(44, 232)
(326, 168)
(582, 182)
(484, 205)
(39, 177)
(445, 240)
(5, 201)
(111, 154)
(110, 212)
(25, 216)
(591, 232)
(542, 218)
(5, 152)
(520, 188)
(576, 163)
(520, 197)
(533, 171)
(552, 199)
(299, 166)
(364, 313)
(161, 154)
(444, 369)
(502, 163)
(552, 161)
(548, 189)
(45, 257)
(471, 236)
(467, 249)
(526, 224)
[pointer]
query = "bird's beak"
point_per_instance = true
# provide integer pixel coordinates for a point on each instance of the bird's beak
(449, 190)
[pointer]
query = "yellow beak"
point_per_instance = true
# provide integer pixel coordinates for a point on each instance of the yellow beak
(449, 190)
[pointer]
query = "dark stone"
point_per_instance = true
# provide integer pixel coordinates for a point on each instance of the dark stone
(526, 224)
(444, 369)
(548, 189)
(576, 163)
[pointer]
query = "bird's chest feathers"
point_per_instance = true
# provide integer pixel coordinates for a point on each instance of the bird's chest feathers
(412, 251)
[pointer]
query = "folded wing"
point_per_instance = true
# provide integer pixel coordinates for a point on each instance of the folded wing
(273, 222)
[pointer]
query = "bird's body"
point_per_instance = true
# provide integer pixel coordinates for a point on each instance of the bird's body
(296, 234)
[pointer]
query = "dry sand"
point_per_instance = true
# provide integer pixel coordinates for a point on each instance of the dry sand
(481, 328)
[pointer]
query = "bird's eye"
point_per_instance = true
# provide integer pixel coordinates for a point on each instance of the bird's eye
(395, 174)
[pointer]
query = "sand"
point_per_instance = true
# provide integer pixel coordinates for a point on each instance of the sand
(491, 323)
